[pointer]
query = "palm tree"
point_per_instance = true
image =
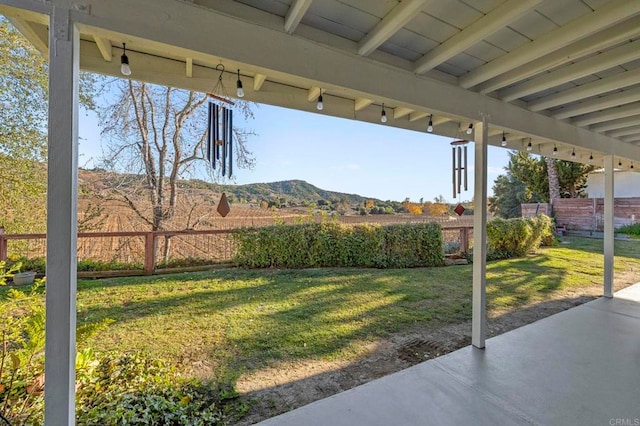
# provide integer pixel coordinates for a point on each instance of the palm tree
(554, 182)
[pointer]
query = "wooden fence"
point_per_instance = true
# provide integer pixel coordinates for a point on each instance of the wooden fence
(532, 209)
(136, 248)
(215, 246)
(587, 214)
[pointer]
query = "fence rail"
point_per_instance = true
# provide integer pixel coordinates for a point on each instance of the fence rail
(586, 214)
(143, 248)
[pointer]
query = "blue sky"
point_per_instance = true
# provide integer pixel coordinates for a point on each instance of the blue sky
(372, 160)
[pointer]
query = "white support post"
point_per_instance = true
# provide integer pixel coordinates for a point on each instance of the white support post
(608, 225)
(479, 320)
(60, 348)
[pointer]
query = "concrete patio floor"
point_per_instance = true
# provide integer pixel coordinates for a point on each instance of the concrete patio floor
(578, 367)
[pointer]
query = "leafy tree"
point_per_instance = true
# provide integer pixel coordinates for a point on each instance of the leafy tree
(528, 178)
(413, 208)
(572, 178)
(23, 130)
(508, 193)
(530, 170)
(435, 209)
(23, 96)
(534, 172)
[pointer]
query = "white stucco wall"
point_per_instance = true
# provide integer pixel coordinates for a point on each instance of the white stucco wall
(626, 184)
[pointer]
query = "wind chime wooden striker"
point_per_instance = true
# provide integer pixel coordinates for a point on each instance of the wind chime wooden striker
(459, 163)
(219, 147)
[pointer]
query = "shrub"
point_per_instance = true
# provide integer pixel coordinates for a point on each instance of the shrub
(111, 389)
(184, 262)
(413, 244)
(38, 264)
(22, 338)
(516, 237)
(362, 245)
(99, 265)
(632, 230)
(331, 244)
(22, 355)
(135, 390)
(452, 247)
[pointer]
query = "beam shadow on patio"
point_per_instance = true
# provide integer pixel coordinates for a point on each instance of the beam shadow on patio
(580, 366)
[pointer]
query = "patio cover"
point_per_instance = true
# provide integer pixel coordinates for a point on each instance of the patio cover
(551, 73)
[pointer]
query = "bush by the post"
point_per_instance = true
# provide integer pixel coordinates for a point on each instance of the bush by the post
(516, 237)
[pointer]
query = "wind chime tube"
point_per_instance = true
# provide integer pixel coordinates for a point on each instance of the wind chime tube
(209, 133)
(465, 168)
(214, 124)
(453, 169)
(459, 170)
(225, 119)
(214, 141)
(217, 141)
(230, 154)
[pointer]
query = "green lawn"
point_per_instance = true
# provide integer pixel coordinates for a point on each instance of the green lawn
(240, 320)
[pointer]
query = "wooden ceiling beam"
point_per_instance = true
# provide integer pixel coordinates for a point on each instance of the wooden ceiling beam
(493, 21)
(295, 14)
(615, 11)
(397, 18)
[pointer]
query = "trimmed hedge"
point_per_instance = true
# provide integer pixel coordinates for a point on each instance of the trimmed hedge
(516, 237)
(331, 244)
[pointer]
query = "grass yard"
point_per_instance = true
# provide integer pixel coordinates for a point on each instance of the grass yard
(305, 334)
(239, 319)
(227, 322)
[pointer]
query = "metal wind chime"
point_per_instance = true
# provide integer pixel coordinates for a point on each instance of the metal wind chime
(219, 148)
(459, 169)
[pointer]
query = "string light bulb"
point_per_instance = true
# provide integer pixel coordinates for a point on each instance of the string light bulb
(555, 150)
(591, 158)
(529, 146)
(504, 140)
(320, 104)
(240, 90)
(631, 166)
(619, 163)
(383, 115)
(573, 154)
(470, 128)
(430, 125)
(124, 61)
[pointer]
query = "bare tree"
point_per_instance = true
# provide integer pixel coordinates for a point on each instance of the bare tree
(154, 137)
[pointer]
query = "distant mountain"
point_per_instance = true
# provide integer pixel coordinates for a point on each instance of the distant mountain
(294, 192)
(102, 209)
(283, 193)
